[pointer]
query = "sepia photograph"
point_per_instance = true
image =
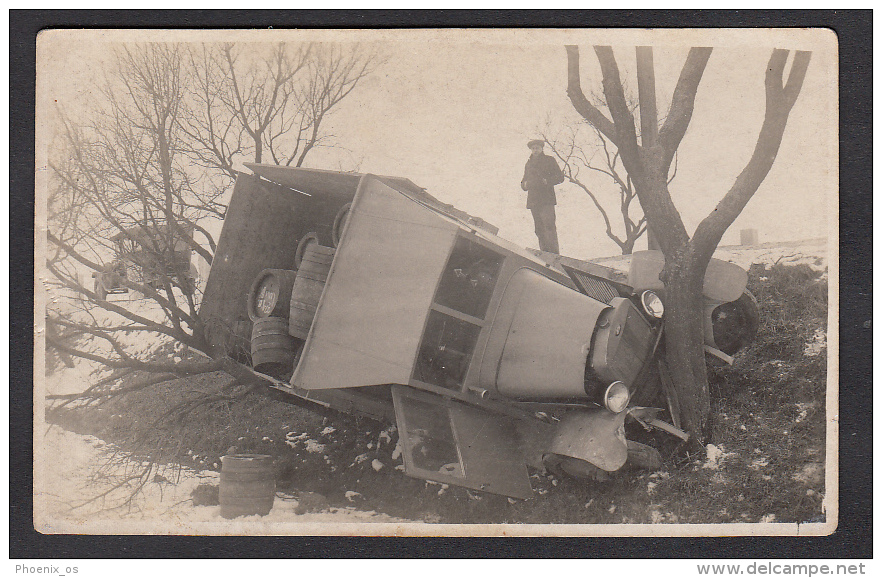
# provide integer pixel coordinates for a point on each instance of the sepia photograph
(437, 282)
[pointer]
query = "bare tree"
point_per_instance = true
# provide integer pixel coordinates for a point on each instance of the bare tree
(648, 163)
(124, 176)
(124, 192)
(585, 151)
(268, 103)
(137, 179)
(583, 155)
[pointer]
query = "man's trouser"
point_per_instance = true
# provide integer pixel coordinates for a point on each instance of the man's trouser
(546, 229)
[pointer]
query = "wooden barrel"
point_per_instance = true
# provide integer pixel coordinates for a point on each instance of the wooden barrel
(247, 486)
(307, 240)
(272, 348)
(270, 293)
(308, 287)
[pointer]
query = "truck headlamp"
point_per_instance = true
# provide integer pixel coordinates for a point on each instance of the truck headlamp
(652, 304)
(616, 397)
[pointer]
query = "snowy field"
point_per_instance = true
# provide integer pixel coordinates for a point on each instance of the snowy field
(79, 469)
(812, 252)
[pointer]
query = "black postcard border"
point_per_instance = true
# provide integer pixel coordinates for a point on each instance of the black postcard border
(853, 537)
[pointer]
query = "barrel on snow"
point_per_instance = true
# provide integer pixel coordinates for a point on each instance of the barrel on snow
(308, 287)
(247, 486)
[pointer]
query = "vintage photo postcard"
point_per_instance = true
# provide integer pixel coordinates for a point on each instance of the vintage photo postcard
(446, 282)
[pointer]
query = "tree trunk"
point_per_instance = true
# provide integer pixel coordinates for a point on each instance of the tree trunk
(258, 148)
(648, 164)
(684, 338)
(652, 240)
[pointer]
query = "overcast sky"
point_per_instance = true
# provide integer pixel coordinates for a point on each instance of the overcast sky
(453, 111)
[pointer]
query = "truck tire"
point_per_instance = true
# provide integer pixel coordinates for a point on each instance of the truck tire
(575, 468)
(644, 457)
(735, 324)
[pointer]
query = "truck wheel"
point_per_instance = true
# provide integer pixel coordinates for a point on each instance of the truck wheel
(644, 457)
(735, 324)
(575, 468)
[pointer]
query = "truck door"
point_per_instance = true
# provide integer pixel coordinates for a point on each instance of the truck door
(453, 443)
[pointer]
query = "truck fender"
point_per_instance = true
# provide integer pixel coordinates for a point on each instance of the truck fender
(595, 436)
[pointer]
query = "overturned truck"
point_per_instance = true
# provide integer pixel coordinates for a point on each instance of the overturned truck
(365, 294)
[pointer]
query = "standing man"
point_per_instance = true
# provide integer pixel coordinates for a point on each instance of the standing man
(540, 176)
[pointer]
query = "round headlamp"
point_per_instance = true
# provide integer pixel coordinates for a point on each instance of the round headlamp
(616, 397)
(652, 304)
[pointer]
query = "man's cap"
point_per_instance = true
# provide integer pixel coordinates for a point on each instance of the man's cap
(535, 142)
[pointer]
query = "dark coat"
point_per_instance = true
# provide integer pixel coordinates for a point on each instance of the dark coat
(540, 176)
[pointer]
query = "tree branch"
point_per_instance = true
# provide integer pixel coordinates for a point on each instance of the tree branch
(779, 102)
(180, 368)
(623, 118)
(580, 103)
(682, 104)
(646, 94)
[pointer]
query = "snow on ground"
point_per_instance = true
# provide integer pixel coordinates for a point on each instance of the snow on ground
(818, 344)
(139, 344)
(72, 471)
(812, 252)
(715, 456)
(75, 475)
